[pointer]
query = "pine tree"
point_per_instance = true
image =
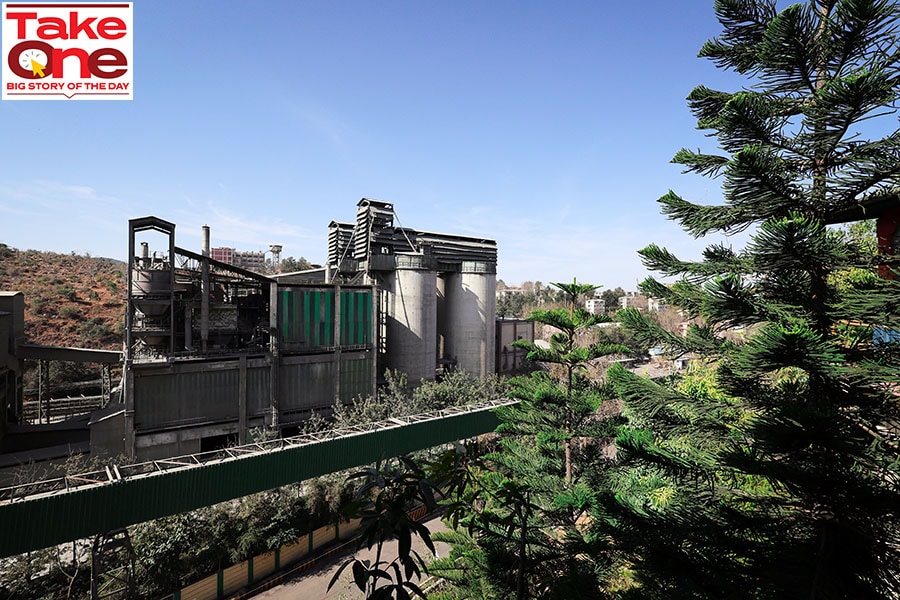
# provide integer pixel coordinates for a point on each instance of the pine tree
(780, 479)
(560, 402)
(526, 504)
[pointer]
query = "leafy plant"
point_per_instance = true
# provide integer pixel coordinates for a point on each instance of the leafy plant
(389, 490)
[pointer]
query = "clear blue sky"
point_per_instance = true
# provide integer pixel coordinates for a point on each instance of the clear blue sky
(547, 126)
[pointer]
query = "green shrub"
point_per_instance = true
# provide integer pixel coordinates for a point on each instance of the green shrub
(96, 331)
(71, 312)
(38, 303)
(66, 291)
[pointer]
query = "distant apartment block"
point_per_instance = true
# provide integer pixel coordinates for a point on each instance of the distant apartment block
(657, 304)
(507, 291)
(643, 303)
(225, 255)
(595, 305)
(252, 261)
(633, 299)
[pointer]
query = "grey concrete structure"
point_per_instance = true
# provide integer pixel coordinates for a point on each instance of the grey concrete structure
(453, 307)
(411, 316)
(12, 335)
(510, 359)
(471, 307)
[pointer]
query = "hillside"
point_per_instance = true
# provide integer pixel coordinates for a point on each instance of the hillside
(70, 300)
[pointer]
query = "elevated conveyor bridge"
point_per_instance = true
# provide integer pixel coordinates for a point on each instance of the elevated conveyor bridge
(53, 511)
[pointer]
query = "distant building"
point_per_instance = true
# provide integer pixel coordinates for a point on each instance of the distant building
(595, 305)
(682, 362)
(511, 359)
(633, 299)
(225, 255)
(510, 290)
(252, 261)
(657, 304)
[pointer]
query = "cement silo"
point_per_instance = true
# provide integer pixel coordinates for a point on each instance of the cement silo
(438, 306)
(470, 306)
(411, 315)
(441, 323)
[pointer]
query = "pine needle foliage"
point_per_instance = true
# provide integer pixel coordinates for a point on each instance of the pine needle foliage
(779, 477)
(526, 506)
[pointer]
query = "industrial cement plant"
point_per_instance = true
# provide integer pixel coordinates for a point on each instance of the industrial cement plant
(213, 350)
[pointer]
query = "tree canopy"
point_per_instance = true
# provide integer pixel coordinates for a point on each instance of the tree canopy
(778, 477)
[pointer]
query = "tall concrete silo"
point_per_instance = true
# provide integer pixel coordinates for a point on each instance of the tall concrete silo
(470, 309)
(441, 317)
(412, 317)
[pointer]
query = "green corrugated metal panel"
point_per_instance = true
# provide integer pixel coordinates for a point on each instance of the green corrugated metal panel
(356, 318)
(306, 319)
(306, 385)
(258, 389)
(356, 379)
(365, 315)
(315, 317)
(364, 318)
(346, 325)
(48, 520)
(328, 319)
(169, 397)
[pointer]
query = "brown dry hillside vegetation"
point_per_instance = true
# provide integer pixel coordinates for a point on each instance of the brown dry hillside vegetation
(70, 300)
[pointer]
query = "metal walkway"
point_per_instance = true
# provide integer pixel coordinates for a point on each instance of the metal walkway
(41, 514)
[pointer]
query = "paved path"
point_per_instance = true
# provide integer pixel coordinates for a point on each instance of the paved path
(313, 585)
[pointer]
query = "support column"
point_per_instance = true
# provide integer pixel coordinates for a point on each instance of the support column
(204, 291)
(242, 400)
(204, 306)
(43, 392)
(338, 317)
(128, 398)
(275, 356)
(188, 327)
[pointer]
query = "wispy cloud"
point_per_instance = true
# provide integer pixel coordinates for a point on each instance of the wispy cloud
(244, 230)
(51, 195)
(323, 121)
(17, 210)
(63, 217)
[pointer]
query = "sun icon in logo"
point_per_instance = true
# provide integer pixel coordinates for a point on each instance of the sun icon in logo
(34, 60)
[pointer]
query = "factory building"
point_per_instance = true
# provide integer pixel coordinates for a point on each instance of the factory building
(437, 291)
(214, 351)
